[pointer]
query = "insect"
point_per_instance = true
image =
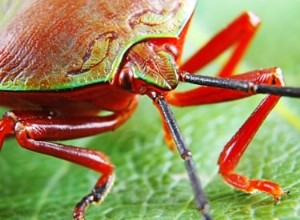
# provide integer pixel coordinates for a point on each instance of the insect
(64, 62)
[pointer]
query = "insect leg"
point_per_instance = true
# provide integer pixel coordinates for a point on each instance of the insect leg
(86, 157)
(34, 132)
(239, 34)
(235, 148)
(172, 127)
(6, 128)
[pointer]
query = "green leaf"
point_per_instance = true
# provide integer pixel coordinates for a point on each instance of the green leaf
(150, 180)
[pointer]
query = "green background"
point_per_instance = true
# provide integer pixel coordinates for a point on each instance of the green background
(150, 180)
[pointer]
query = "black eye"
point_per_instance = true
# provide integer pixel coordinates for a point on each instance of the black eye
(125, 78)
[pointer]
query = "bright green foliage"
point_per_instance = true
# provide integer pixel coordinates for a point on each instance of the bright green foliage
(150, 180)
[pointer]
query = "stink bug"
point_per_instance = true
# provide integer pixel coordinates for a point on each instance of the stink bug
(64, 62)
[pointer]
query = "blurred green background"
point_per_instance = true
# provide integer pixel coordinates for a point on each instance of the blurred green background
(150, 180)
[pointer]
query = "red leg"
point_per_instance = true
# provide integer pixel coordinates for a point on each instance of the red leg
(235, 148)
(33, 131)
(208, 95)
(6, 128)
(238, 33)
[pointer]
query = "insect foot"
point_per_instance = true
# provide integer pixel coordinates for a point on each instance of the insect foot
(97, 195)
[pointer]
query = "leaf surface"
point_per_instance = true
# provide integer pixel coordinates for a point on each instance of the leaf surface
(150, 180)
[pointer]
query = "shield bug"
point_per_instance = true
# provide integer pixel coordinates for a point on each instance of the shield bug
(64, 62)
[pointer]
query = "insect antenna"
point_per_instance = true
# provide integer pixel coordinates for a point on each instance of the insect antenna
(244, 86)
(185, 153)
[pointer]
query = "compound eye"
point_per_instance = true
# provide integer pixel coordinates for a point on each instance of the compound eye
(125, 78)
(171, 49)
